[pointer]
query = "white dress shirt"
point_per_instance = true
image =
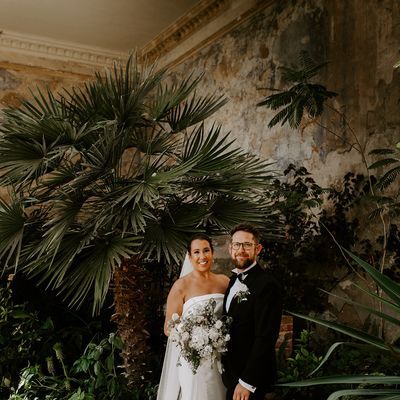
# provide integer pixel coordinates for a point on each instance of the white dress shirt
(234, 289)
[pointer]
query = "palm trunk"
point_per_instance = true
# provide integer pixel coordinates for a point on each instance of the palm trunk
(130, 317)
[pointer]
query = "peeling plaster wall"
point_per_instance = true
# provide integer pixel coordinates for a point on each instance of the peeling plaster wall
(361, 41)
(16, 81)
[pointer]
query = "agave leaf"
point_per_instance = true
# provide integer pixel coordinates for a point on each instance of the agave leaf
(355, 333)
(371, 310)
(364, 392)
(391, 288)
(346, 379)
(334, 346)
(393, 306)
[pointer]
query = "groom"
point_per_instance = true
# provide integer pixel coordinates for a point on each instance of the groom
(254, 301)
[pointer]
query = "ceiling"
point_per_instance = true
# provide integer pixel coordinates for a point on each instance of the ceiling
(110, 25)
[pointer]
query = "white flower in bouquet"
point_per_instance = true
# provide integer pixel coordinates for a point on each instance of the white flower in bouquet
(201, 336)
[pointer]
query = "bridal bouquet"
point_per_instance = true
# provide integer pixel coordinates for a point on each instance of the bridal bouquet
(200, 335)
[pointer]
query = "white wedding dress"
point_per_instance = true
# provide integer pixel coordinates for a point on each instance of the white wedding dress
(179, 382)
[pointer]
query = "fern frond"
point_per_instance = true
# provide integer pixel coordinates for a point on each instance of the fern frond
(388, 178)
(382, 151)
(382, 163)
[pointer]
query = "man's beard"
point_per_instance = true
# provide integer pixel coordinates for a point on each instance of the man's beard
(245, 264)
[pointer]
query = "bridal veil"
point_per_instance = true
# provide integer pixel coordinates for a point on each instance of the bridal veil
(169, 388)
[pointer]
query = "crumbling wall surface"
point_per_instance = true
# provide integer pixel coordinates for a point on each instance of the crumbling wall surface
(360, 40)
(18, 80)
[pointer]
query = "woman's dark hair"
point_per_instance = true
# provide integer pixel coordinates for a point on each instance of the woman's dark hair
(246, 227)
(200, 236)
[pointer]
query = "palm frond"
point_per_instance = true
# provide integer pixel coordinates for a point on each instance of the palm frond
(118, 96)
(151, 141)
(226, 212)
(170, 96)
(194, 110)
(87, 270)
(168, 235)
(12, 223)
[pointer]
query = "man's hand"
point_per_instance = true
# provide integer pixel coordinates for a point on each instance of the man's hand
(241, 393)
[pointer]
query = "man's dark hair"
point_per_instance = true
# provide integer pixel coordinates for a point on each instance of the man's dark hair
(200, 236)
(246, 227)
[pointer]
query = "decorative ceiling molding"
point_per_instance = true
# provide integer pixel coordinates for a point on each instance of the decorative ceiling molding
(199, 16)
(201, 26)
(42, 52)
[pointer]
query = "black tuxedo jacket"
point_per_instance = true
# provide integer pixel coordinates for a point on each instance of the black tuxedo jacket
(254, 331)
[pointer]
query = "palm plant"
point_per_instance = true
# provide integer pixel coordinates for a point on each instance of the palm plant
(104, 177)
(380, 386)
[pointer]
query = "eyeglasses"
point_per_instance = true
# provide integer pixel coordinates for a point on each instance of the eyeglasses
(246, 245)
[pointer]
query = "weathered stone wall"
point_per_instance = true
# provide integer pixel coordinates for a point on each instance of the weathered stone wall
(16, 81)
(359, 38)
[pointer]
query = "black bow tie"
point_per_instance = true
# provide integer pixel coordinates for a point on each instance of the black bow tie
(241, 276)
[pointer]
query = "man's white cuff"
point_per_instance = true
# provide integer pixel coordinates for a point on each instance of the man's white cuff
(247, 386)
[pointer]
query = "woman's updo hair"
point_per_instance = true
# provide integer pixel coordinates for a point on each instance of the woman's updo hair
(199, 236)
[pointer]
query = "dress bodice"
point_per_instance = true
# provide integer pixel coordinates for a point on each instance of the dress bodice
(191, 305)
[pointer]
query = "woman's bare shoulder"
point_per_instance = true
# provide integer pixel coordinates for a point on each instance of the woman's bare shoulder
(222, 279)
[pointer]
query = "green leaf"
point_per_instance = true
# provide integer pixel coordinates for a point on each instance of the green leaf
(355, 333)
(365, 392)
(391, 288)
(346, 379)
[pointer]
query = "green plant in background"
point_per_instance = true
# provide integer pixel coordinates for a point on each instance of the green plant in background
(375, 383)
(306, 253)
(303, 361)
(389, 161)
(92, 376)
(302, 98)
(22, 336)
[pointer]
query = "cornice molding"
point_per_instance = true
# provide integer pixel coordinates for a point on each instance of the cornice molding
(199, 16)
(43, 51)
(201, 26)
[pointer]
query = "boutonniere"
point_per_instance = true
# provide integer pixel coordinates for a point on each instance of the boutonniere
(242, 293)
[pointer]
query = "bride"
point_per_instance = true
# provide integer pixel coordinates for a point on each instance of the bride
(196, 286)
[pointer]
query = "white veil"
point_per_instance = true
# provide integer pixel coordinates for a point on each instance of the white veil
(169, 388)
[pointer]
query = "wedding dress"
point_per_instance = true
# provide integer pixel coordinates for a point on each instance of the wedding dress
(178, 381)
(206, 383)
